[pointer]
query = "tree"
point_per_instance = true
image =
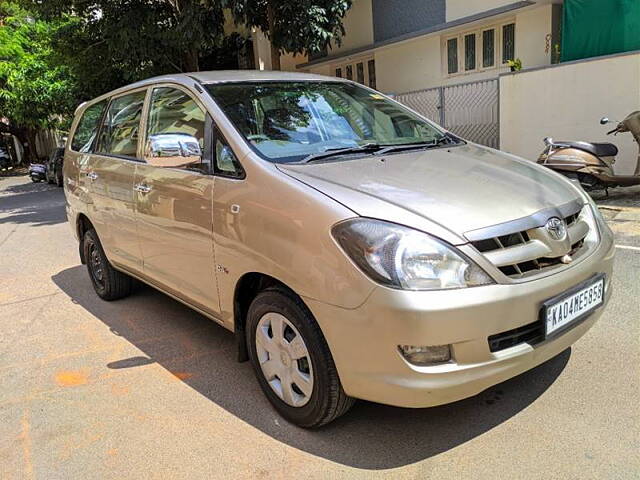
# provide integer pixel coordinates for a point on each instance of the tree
(139, 37)
(293, 26)
(35, 91)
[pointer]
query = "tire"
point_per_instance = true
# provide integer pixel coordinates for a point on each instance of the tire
(109, 283)
(325, 399)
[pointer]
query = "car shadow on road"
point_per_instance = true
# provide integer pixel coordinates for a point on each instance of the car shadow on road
(371, 436)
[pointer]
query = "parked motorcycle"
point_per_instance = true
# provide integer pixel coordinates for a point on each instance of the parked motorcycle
(37, 172)
(592, 163)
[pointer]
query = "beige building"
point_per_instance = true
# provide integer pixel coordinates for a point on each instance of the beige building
(401, 46)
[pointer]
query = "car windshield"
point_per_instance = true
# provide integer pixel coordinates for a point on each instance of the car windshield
(289, 121)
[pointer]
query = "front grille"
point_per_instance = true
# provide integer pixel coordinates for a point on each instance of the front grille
(531, 334)
(527, 263)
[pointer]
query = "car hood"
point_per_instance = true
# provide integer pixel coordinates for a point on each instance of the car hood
(459, 189)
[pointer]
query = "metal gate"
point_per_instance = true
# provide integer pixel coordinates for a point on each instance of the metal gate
(470, 110)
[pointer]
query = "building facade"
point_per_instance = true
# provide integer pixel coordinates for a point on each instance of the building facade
(399, 46)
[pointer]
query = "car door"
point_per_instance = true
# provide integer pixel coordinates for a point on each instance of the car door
(111, 172)
(174, 199)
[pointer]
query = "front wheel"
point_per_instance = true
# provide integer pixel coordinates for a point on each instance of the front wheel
(292, 361)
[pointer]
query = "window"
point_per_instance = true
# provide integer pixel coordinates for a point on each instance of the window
(508, 42)
(227, 164)
(173, 111)
(371, 66)
(483, 48)
(360, 73)
(470, 52)
(120, 129)
(88, 127)
(488, 48)
(452, 56)
(349, 72)
(287, 121)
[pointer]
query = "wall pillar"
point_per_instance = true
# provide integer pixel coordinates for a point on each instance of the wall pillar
(261, 49)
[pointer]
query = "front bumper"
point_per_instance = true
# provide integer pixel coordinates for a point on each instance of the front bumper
(364, 340)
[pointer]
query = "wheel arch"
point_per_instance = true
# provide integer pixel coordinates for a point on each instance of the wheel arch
(247, 288)
(83, 225)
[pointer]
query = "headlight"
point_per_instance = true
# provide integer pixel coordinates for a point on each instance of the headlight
(401, 257)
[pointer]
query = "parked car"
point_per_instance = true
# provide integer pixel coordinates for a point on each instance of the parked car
(54, 166)
(5, 160)
(37, 172)
(355, 249)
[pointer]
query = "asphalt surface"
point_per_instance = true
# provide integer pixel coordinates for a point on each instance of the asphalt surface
(146, 388)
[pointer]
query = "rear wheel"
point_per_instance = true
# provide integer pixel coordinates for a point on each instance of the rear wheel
(109, 283)
(292, 361)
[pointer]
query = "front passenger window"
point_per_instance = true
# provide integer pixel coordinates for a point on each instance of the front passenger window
(177, 124)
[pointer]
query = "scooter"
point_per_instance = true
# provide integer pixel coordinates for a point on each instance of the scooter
(37, 172)
(592, 163)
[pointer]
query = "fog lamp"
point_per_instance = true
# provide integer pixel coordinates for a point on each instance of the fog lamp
(425, 355)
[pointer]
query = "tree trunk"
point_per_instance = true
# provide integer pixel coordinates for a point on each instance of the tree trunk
(31, 151)
(190, 61)
(275, 51)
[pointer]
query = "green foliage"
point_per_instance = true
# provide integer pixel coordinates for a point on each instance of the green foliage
(294, 26)
(515, 65)
(127, 40)
(35, 90)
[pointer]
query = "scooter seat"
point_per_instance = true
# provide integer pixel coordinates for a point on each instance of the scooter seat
(597, 149)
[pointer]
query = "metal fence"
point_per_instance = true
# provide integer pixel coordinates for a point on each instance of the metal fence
(470, 110)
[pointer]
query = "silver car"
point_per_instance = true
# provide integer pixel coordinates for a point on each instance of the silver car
(355, 248)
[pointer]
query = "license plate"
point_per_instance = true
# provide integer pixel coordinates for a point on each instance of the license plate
(573, 305)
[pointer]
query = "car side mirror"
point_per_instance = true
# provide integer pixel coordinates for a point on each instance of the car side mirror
(604, 120)
(172, 150)
(548, 141)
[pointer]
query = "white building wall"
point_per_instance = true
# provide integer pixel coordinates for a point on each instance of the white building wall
(566, 102)
(421, 63)
(533, 36)
(463, 8)
(413, 65)
(358, 26)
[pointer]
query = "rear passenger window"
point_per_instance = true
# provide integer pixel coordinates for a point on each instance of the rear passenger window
(87, 128)
(121, 127)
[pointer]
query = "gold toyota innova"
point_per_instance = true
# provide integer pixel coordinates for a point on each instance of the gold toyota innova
(356, 249)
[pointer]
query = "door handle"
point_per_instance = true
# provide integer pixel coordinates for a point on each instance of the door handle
(92, 176)
(142, 188)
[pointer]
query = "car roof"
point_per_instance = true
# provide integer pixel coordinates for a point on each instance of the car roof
(216, 76)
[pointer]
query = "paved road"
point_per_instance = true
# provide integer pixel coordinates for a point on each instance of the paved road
(146, 388)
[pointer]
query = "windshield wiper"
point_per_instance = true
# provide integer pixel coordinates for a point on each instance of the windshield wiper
(446, 138)
(332, 152)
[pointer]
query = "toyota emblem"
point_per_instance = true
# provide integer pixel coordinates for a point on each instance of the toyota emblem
(557, 228)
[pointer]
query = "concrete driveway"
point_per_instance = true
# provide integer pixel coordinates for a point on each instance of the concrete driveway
(146, 388)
